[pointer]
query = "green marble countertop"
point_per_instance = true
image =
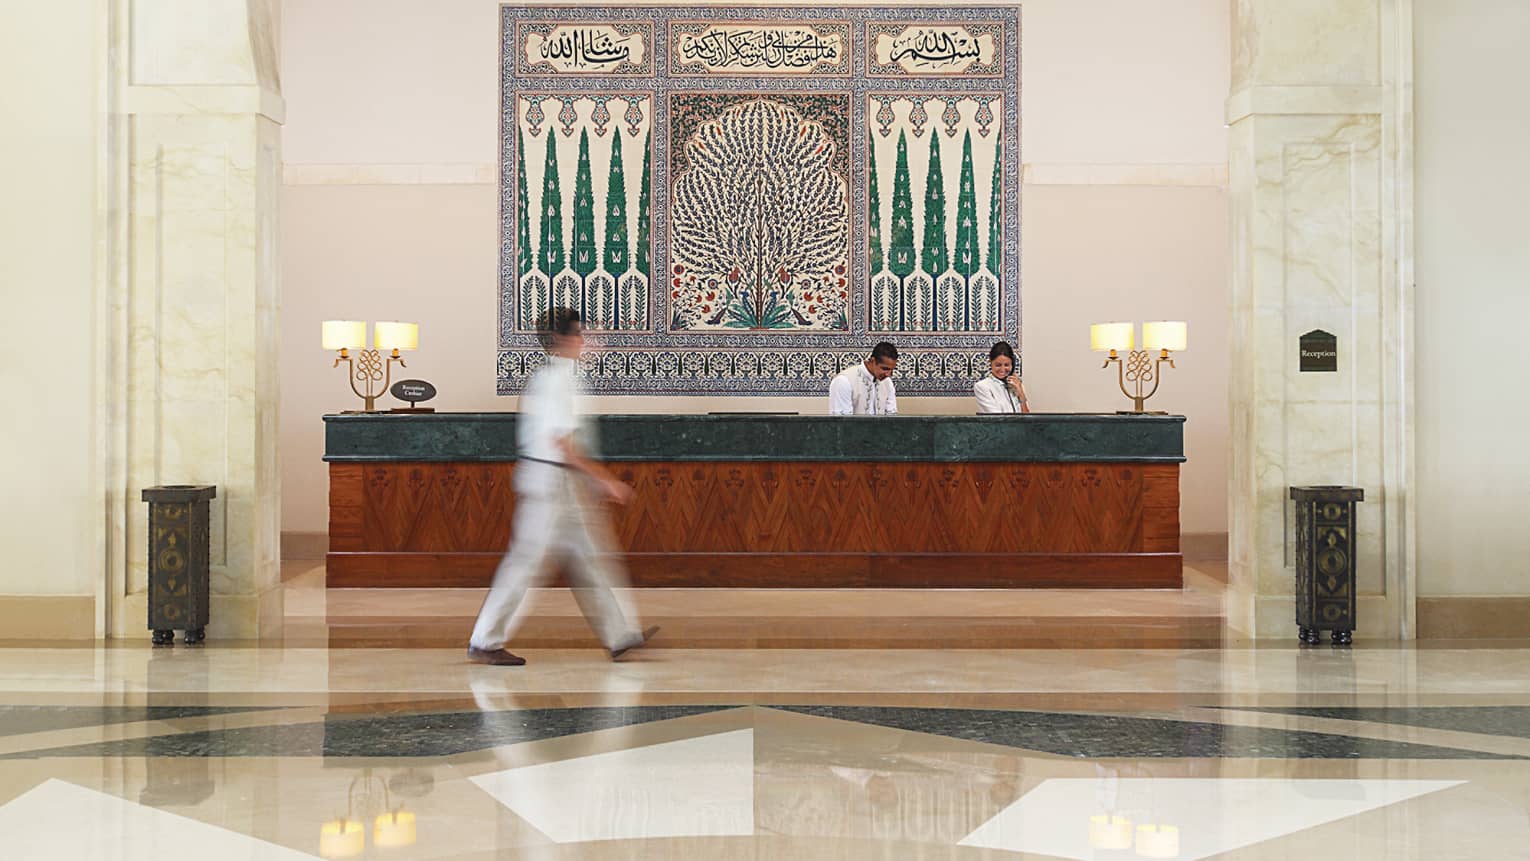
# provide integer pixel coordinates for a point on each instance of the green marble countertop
(1039, 437)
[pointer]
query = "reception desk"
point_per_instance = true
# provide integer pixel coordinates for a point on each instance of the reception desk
(1039, 500)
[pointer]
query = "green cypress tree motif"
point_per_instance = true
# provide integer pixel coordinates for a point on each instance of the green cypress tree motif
(874, 207)
(936, 256)
(641, 252)
(966, 262)
(900, 246)
(523, 252)
(583, 253)
(996, 215)
(552, 255)
(615, 261)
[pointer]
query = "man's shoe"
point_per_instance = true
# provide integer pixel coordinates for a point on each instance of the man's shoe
(494, 657)
(635, 644)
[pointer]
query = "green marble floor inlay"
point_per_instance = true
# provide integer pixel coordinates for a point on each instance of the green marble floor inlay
(21, 720)
(439, 734)
(1103, 736)
(1512, 721)
(431, 734)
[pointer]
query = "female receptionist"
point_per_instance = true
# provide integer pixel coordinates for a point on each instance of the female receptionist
(1001, 391)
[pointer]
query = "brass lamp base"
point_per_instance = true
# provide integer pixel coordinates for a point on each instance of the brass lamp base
(1139, 368)
(369, 369)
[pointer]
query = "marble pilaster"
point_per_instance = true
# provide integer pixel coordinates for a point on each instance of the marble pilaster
(1319, 171)
(190, 293)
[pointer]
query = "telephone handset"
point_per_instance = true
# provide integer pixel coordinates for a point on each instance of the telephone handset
(1004, 380)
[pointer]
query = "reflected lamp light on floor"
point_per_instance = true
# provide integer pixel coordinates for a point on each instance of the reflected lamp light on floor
(1109, 831)
(393, 828)
(368, 370)
(1158, 841)
(342, 838)
(1139, 372)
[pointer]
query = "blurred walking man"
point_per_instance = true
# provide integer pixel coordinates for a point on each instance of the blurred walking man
(559, 511)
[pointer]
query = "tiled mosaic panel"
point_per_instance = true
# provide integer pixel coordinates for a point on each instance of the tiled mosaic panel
(587, 247)
(739, 212)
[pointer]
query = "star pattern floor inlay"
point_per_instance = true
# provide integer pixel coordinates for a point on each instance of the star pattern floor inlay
(1188, 746)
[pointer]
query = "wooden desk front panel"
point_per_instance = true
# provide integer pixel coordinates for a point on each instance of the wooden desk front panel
(784, 524)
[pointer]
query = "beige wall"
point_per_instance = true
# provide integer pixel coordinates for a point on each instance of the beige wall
(1124, 211)
(51, 511)
(1473, 279)
(416, 81)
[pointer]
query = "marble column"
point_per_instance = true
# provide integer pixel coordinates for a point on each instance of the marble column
(1320, 173)
(192, 104)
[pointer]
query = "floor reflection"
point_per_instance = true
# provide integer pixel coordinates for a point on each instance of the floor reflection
(951, 726)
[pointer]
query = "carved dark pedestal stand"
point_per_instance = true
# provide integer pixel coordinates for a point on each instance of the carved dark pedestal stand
(179, 558)
(1325, 562)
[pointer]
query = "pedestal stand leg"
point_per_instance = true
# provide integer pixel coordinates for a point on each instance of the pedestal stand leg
(1309, 636)
(1343, 638)
(195, 636)
(163, 637)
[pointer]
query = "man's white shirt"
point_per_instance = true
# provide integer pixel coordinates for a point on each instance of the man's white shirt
(549, 413)
(855, 392)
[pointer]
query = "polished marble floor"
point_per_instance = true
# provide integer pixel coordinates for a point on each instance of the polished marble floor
(803, 725)
(783, 618)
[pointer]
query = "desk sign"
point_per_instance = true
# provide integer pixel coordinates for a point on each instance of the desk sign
(1319, 351)
(413, 391)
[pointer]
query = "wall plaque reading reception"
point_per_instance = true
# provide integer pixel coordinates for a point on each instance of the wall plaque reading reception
(1319, 351)
(759, 48)
(741, 199)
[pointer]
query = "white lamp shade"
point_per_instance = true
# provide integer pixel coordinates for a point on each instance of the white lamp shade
(393, 830)
(1111, 336)
(343, 838)
(344, 334)
(1158, 841)
(395, 336)
(1164, 335)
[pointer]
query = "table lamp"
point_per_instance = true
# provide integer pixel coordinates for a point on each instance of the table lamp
(369, 368)
(1139, 368)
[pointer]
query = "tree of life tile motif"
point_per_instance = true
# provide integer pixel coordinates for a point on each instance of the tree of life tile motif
(759, 216)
